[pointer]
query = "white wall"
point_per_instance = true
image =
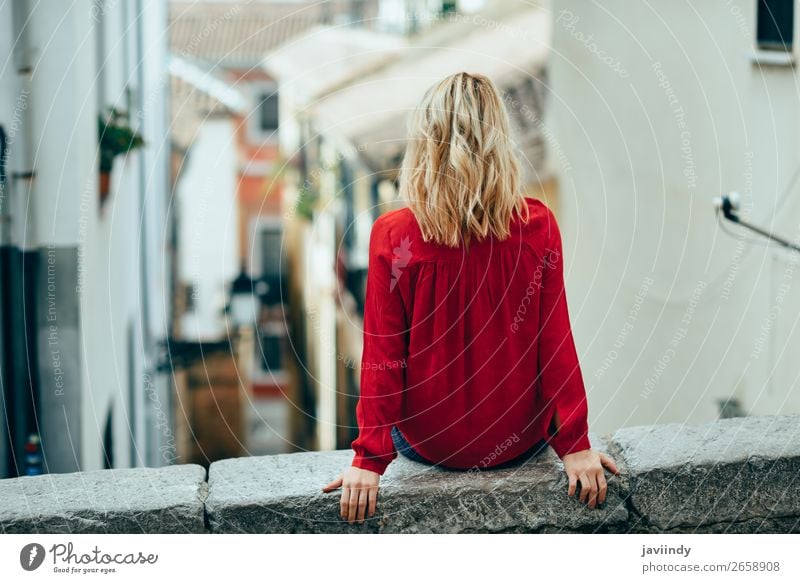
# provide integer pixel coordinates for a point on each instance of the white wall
(105, 341)
(208, 226)
(119, 336)
(658, 108)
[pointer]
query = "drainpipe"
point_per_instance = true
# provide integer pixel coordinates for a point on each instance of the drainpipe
(5, 445)
(5, 217)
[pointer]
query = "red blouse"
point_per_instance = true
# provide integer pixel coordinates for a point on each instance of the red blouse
(467, 350)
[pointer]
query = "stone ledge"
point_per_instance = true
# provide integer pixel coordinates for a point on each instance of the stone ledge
(282, 494)
(137, 500)
(734, 475)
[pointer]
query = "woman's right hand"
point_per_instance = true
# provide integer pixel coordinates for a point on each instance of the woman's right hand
(359, 493)
(586, 467)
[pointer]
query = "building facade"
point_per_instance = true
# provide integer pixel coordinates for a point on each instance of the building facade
(658, 109)
(83, 278)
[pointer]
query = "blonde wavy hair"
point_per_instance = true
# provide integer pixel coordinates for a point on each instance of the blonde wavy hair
(460, 174)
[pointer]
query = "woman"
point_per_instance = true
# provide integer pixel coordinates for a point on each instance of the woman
(469, 361)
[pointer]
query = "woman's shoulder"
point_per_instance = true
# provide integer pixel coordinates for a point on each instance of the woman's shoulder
(538, 208)
(397, 216)
(393, 227)
(397, 221)
(541, 219)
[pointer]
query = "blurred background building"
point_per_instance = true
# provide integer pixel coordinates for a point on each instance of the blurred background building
(201, 296)
(344, 99)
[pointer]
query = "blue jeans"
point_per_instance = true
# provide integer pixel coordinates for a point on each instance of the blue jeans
(403, 447)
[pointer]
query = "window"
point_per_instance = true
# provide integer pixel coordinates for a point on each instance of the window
(271, 351)
(268, 112)
(262, 119)
(271, 240)
(189, 296)
(775, 25)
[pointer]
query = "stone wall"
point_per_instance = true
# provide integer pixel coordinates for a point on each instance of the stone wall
(734, 475)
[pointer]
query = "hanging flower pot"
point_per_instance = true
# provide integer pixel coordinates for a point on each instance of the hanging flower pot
(104, 185)
(116, 138)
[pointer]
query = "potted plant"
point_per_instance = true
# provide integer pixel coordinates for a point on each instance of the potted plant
(116, 138)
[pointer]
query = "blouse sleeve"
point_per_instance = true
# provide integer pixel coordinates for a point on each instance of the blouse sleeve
(561, 378)
(383, 362)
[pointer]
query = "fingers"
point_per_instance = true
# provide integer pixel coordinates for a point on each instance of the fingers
(602, 488)
(363, 496)
(357, 506)
(333, 485)
(344, 502)
(359, 495)
(373, 501)
(352, 505)
(609, 463)
(593, 491)
(585, 488)
(573, 482)
(589, 489)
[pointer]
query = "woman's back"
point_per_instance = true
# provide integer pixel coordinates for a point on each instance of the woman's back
(457, 338)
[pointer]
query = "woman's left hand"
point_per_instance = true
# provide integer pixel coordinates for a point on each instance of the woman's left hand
(587, 467)
(359, 493)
